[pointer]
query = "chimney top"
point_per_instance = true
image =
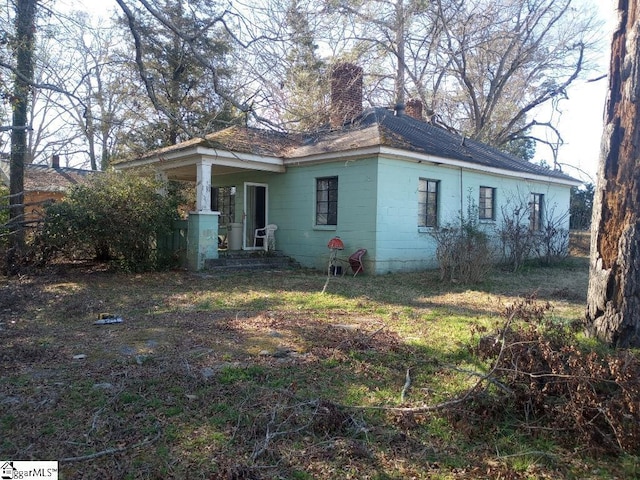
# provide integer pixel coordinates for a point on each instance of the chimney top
(346, 94)
(55, 161)
(414, 108)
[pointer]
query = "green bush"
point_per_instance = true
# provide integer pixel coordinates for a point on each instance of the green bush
(116, 217)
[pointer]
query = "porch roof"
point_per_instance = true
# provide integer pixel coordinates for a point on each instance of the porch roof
(228, 151)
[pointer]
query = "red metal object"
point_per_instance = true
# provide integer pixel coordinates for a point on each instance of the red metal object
(355, 261)
(335, 244)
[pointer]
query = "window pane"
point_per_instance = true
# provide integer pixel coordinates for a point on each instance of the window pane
(327, 201)
(427, 203)
(223, 201)
(486, 207)
(536, 210)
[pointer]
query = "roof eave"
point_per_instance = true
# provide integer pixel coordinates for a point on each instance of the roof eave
(437, 160)
(194, 154)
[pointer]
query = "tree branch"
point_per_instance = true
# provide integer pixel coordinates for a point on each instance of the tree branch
(111, 451)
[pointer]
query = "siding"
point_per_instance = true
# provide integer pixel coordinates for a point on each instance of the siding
(292, 208)
(378, 208)
(402, 246)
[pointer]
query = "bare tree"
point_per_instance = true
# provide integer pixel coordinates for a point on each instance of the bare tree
(506, 58)
(613, 299)
(480, 67)
(107, 110)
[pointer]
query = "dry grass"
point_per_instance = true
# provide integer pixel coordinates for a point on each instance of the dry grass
(244, 376)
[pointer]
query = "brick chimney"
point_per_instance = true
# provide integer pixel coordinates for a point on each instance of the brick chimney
(55, 161)
(414, 108)
(346, 94)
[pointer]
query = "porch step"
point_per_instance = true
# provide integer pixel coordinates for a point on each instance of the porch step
(250, 260)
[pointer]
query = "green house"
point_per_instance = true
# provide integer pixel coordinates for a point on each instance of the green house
(381, 179)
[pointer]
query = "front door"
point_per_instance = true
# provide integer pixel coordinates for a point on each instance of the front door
(256, 202)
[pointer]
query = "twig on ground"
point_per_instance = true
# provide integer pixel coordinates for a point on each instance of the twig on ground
(450, 403)
(530, 452)
(407, 384)
(271, 435)
(111, 451)
(326, 283)
(96, 415)
(370, 336)
(495, 382)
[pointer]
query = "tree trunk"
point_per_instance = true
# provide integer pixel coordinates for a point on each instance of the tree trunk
(400, 53)
(23, 52)
(613, 303)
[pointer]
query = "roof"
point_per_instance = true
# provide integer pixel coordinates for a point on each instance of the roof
(375, 127)
(240, 139)
(381, 126)
(42, 178)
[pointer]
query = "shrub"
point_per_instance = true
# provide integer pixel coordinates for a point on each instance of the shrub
(516, 237)
(519, 242)
(553, 240)
(463, 252)
(115, 217)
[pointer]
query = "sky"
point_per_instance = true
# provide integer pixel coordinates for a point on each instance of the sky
(581, 122)
(581, 119)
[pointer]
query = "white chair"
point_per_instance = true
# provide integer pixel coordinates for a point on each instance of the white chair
(267, 234)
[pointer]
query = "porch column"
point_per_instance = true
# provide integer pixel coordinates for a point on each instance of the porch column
(202, 239)
(203, 186)
(162, 177)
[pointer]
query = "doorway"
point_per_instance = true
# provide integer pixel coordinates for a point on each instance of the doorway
(256, 203)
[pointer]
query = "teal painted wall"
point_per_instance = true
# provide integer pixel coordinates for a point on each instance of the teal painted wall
(378, 208)
(403, 246)
(292, 208)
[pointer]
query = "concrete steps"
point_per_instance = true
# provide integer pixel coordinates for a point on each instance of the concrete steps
(250, 260)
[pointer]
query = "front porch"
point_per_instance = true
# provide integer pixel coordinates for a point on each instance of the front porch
(208, 228)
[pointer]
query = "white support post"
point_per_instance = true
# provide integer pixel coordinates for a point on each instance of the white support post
(162, 177)
(203, 186)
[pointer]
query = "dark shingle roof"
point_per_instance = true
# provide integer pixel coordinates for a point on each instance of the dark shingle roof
(375, 127)
(409, 133)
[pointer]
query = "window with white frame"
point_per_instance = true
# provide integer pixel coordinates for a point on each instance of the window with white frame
(428, 202)
(327, 201)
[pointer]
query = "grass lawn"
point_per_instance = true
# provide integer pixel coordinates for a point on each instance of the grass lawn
(258, 375)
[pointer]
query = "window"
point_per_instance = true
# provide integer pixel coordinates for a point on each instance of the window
(535, 212)
(486, 208)
(223, 200)
(327, 201)
(428, 203)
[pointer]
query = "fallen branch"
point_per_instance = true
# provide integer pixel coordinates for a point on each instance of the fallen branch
(495, 382)
(270, 435)
(370, 336)
(471, 393)
(111, 451)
